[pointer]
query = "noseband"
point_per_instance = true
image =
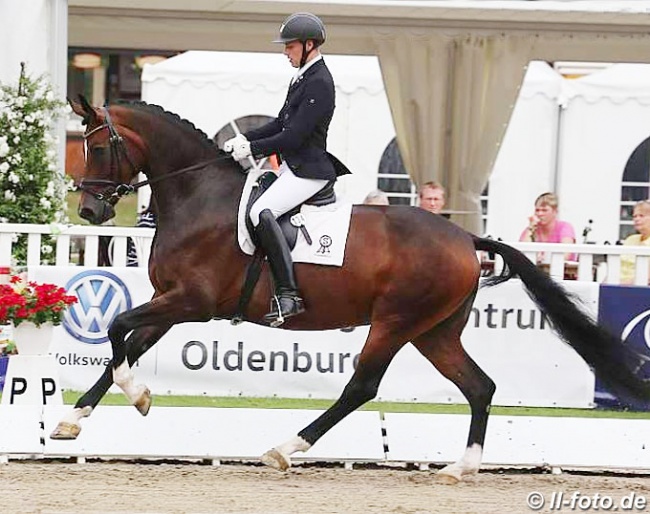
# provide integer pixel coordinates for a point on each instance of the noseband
(112, 191)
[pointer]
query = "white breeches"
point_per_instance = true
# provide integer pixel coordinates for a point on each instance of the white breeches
(285, 193)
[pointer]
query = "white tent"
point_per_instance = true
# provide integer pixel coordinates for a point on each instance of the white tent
(526, 162)
(212, 89)
(607, 117)
(574, 137)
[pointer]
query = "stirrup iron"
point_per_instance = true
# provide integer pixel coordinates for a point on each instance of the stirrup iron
(280, 319)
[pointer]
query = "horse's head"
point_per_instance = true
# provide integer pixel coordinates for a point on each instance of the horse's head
(113, 157)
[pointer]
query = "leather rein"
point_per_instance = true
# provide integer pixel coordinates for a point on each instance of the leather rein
(112, 190)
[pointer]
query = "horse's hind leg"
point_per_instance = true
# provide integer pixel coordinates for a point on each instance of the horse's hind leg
(442, 346)
(362, 387)
(139, 342)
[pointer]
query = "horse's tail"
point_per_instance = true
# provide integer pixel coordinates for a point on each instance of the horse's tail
(614, 362)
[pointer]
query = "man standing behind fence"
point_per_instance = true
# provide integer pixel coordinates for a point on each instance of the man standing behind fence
(432, 197)
(146, 219)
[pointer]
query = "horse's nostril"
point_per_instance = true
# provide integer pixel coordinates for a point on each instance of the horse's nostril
(86, 213)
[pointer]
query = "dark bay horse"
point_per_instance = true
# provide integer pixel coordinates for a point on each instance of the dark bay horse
(410, 274)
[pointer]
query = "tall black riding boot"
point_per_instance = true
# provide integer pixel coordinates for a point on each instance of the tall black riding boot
(287, 301)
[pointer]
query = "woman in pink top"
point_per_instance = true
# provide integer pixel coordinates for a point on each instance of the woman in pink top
(544, 227)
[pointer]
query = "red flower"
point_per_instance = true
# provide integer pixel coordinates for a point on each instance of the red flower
(38, 303)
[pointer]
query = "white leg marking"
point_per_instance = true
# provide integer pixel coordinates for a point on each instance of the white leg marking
(293, 445)
(123, 377)
(280, 456)
(74, 416)
(469, 464)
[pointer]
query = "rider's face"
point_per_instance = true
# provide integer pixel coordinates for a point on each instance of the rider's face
(293, 50)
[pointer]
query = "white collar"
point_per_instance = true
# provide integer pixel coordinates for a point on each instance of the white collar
(308, 65)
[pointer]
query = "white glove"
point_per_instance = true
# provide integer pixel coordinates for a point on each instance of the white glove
(231, 143)
(241, 150)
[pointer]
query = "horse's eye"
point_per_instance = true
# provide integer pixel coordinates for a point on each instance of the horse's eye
(98, 152)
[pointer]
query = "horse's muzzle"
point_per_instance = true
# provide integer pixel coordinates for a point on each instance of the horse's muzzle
(95, 211)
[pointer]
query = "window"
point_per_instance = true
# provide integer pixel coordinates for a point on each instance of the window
(396, 182)
(241, 125)
(635, 186)
(393, 178)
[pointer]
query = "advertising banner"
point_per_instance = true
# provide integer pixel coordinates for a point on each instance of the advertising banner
(625, 311)
(506, 335)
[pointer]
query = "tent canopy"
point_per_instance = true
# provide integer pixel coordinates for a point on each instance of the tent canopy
(249, 71)
(618, 83)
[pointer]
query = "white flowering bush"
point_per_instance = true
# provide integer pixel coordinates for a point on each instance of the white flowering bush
(32, 190)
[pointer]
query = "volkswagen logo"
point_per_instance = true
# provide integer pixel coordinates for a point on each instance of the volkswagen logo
(102, 296)
(636, 321)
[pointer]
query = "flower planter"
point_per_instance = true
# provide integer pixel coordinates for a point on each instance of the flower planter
(33, 340)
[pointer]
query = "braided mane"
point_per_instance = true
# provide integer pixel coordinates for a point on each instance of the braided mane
(186, 125)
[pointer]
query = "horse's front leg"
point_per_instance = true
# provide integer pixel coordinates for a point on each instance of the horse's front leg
(139, 342)
(138, 395)
(163, 311)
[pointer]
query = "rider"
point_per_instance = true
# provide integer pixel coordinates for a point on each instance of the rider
(298, 135)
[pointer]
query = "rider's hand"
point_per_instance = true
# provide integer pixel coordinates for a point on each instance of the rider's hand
(229, 145)
(241, 150)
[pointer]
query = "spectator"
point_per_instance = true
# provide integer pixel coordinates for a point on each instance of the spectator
(147, 219)
(104, 256)
(641, 218)
(544, 227)
(376, 197)
(432, 197)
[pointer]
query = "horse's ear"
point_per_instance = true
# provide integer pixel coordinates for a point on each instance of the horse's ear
(83, 109)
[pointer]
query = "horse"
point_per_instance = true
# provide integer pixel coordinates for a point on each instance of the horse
(409, 274)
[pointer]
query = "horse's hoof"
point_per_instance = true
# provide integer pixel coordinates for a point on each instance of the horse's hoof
(444, 478)
(143, 403)
(274, 459)
(65, 430)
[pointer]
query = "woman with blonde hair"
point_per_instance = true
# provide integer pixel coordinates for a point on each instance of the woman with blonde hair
(641, 219)
(545, 227)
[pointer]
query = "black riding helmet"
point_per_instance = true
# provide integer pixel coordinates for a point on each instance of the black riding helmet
(302, 26)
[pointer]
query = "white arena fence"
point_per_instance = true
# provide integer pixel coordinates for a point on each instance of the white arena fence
(243, 435)
(594, 262)
(67, 241)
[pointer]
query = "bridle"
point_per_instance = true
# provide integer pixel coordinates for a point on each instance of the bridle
(111, 190)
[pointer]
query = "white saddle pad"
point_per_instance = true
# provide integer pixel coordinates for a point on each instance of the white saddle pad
(327, 226)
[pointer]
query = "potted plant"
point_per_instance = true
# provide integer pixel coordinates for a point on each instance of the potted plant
(34, 310)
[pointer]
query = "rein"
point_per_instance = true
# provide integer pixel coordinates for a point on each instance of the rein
(115, 190)
(118, 190)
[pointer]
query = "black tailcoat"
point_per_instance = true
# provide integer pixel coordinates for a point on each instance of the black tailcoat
(299, 133)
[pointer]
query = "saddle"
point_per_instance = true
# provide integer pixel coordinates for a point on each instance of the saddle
(290, 222)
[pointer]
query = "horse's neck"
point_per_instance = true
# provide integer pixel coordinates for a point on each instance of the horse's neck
(213, 190)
